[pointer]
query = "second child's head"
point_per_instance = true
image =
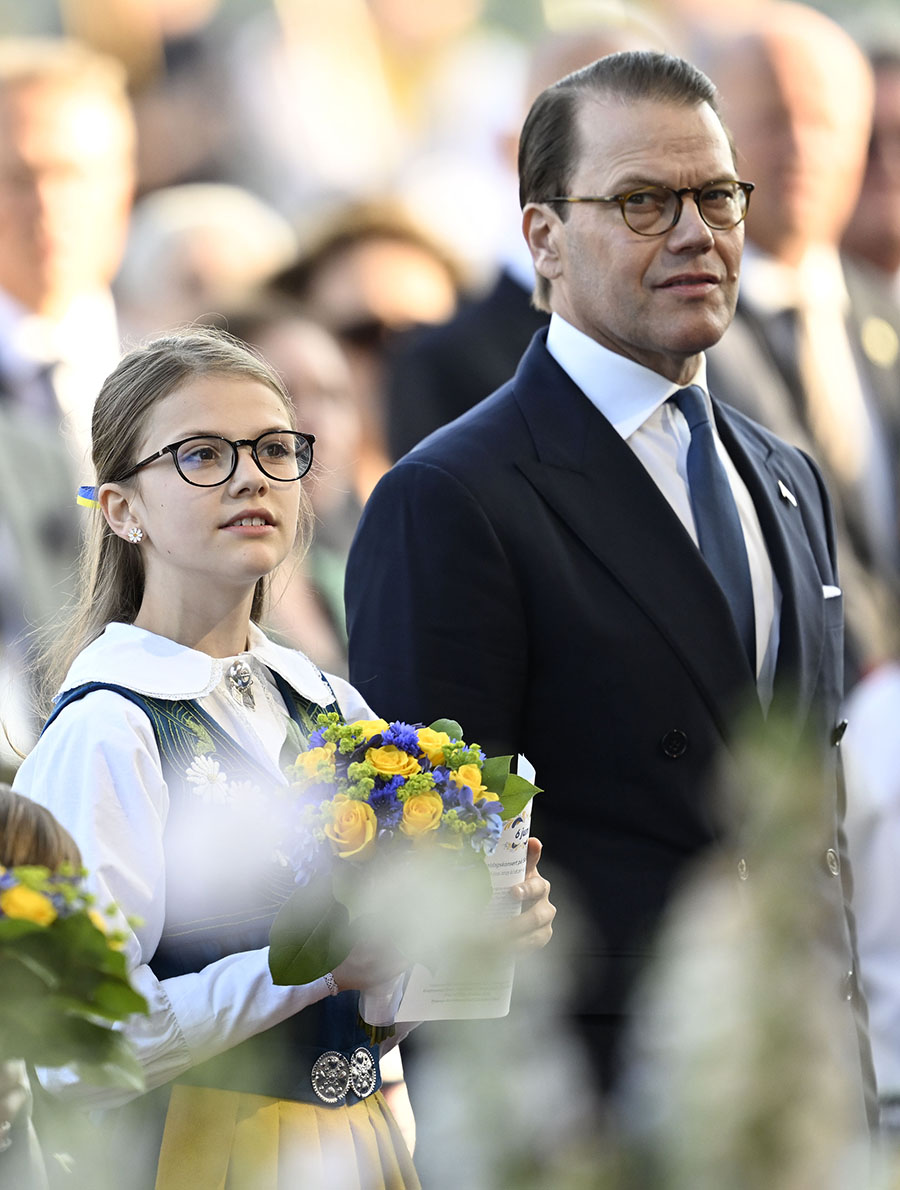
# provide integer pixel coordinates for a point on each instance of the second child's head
(30, 835)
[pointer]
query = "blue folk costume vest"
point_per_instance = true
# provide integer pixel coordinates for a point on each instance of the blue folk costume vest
(303, 1057)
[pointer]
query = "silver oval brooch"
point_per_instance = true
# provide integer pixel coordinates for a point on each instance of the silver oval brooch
(330, 1077)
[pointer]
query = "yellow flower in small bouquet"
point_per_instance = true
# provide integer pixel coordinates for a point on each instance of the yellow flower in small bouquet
(64, 981)
(385, 813)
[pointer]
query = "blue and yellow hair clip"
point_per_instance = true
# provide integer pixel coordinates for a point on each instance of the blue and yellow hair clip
(86, 496)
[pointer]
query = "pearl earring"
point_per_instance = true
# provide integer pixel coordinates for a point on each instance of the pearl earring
(135, 535)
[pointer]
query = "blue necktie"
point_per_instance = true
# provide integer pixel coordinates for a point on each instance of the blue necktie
(716, 517)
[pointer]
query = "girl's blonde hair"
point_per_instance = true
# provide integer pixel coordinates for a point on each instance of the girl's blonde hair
(111, 582)
(29, 834)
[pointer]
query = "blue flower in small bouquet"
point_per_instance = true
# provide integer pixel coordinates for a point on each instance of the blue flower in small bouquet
(63, 977)
(383, 814)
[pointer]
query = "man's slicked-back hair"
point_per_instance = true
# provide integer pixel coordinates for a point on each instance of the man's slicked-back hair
(548, 145)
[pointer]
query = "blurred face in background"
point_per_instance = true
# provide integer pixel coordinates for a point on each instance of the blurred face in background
(798, 103)
(318, 378)
(874, 231)
(66, 182)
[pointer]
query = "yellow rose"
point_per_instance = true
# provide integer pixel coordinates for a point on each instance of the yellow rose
(370, 727)
(391, 761)
(432, 743)
(352, 828)
(421, 814)
(470, 774)
(317, 762)
(22, 902)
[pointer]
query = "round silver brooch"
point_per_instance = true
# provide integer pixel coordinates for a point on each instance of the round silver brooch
(330, 1077)
(363, 1072)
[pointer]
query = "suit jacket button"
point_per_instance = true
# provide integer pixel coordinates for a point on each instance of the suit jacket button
(674, 743)
(743, 870)
(837, 733)
(832, 859)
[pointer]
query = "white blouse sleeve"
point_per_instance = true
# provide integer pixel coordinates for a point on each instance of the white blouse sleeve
(97, 768)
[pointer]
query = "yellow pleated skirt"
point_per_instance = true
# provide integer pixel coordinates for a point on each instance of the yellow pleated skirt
(228, 1140)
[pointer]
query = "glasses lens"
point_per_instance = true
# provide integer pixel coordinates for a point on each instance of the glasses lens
(650, 210)
(205, 461)
(284, 454)
(723, 205)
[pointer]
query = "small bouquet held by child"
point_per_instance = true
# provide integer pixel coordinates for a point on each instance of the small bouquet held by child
(63, 977)
(391, 836)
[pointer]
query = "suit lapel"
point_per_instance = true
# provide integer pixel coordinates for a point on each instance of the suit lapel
(801, 636)
(598, 487)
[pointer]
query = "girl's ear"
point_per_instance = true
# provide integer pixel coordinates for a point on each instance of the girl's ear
(116, 505)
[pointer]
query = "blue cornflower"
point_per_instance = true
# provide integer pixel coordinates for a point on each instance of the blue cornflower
(402, 736)
(387, 806)
(317, 738)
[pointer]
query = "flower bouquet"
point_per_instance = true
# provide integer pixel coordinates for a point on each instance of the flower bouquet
(63, 977)
(389, 833)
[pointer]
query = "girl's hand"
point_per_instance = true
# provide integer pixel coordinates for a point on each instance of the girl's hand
(369, 964)
(534, 928)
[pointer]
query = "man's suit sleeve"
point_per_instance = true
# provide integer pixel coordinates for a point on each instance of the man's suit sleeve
(846, 873)
(436, 623)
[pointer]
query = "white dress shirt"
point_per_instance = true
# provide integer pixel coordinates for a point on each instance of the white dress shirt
(634, 400)
(98, 769)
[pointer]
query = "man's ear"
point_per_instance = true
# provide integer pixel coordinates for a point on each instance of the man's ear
(116, 504)
(542, 227)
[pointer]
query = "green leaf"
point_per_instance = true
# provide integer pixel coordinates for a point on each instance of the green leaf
(515, 795)
(310, 936)
(450, 726)
(495, 773)
(117, 999)
(350, 887)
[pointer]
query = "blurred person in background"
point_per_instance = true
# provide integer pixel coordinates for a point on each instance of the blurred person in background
(439, 372)
(799, 358)
(307, 607)
(194, 249)
(172, 53)
(329, 104)
(67, 147)
(367, 273)
(873, 234)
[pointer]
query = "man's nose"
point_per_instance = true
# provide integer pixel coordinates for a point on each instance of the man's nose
(690, 228)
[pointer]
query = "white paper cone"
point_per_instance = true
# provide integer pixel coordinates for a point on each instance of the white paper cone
(378, 1005)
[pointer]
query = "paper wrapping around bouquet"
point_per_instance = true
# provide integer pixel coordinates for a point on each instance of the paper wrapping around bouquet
(444, 994)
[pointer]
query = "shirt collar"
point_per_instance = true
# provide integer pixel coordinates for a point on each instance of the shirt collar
(770, 286)
(625, 392)
(157, 667)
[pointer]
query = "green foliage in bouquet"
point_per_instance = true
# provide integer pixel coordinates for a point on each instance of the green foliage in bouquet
(64, 981)
(388, 840)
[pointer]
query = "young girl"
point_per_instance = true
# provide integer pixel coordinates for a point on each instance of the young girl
(29, 834)
(162, 756)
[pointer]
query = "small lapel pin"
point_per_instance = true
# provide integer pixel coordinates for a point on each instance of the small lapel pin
(786, 493)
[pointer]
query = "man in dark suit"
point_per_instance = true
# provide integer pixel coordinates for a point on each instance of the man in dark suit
(533, 569)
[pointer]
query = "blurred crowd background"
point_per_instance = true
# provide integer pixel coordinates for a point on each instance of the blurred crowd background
(335, 184)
